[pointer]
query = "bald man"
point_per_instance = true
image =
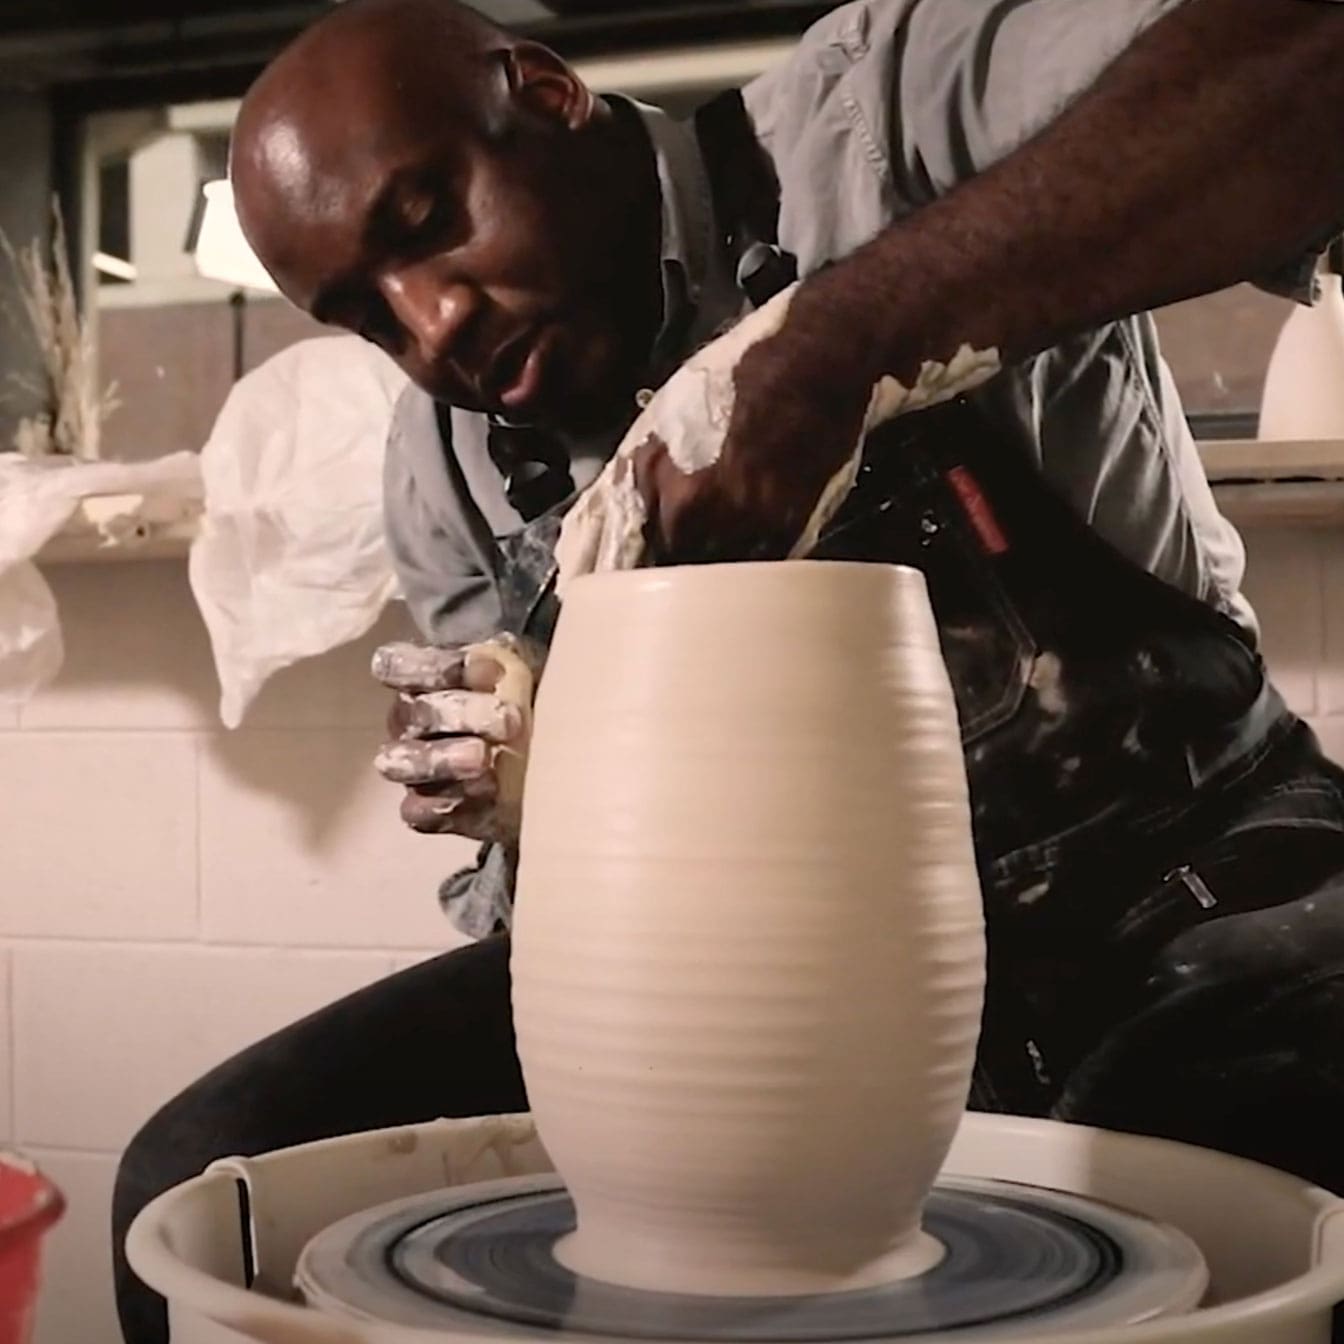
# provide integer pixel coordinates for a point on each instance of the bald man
(1160, 840)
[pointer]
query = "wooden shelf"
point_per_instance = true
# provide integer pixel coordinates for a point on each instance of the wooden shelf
(1289, 484)
(1283, 483)
(1272, 460)
(109, 528)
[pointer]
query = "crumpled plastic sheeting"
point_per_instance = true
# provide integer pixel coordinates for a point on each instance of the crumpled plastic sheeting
(38, 497)
(291, 561)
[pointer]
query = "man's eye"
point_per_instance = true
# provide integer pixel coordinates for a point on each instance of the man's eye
(424, 216)
(425, 219)
(417, 210)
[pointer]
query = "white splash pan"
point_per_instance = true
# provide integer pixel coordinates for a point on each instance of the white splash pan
(1274, 1245)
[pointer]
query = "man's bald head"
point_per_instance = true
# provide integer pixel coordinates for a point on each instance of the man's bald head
(365, 69)
(408, 170)
(447, 42)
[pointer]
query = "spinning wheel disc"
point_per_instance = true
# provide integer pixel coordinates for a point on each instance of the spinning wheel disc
(1019, 1261)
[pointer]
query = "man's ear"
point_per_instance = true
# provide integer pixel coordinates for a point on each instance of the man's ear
(545, 85)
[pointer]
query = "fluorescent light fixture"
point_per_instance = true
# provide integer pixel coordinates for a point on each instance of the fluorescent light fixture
(219, 248)
(639, 73)
(117, 267)
(721, 65)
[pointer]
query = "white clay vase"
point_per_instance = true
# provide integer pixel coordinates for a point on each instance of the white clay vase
(1304, 388)
(748, 955)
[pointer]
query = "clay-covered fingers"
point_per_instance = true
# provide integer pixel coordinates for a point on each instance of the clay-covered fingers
(459, 726)
(467, 762)
(449, 739)
(453, 712)
(415, 669)
(449, 811)
(476, 713)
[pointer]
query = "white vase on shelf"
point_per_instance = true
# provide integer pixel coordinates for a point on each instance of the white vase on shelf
(1304, 388)
(748, 951)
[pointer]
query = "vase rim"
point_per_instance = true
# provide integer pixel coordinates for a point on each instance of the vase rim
(667, 575)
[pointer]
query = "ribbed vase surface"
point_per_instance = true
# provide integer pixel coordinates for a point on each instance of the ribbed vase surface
(748, 954)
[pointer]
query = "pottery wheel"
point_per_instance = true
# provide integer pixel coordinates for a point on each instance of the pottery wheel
(1019, 1261)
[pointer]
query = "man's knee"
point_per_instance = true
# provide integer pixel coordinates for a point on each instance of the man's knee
(178, 1142)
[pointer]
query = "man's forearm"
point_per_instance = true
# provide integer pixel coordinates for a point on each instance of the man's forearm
(1211, 151)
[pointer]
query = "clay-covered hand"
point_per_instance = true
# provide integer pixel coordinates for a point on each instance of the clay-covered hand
(752, 445)
(792, 410)
(458, 734)
(795, 414)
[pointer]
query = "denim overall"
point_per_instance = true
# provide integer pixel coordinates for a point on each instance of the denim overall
(1157, 953)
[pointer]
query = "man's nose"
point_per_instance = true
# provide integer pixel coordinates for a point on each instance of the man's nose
(433, 309)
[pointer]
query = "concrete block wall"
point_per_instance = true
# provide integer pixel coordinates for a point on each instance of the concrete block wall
(1295, 580)
(171, 892)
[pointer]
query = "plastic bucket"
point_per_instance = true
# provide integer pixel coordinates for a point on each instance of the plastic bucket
(29, 1205)
(223, 1248)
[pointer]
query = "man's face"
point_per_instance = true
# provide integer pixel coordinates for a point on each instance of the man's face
(472, 257)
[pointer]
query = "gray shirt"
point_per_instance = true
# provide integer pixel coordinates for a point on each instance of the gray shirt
(884, 106)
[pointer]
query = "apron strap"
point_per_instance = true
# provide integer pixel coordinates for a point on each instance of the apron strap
(745, 190)
(534, 465)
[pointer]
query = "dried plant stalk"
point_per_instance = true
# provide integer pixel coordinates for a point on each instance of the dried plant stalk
(75, 405)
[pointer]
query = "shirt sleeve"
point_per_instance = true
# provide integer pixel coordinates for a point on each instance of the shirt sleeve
(978, 78)
(478, 901)
(450, 596)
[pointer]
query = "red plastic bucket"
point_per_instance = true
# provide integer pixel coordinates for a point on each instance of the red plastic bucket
(29, 1205)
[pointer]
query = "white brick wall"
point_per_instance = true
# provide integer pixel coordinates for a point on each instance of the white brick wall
(76, 1304)
(1295, 580)
(6, 1049)
(1284, 582)
(171, 892)
(156, 867)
